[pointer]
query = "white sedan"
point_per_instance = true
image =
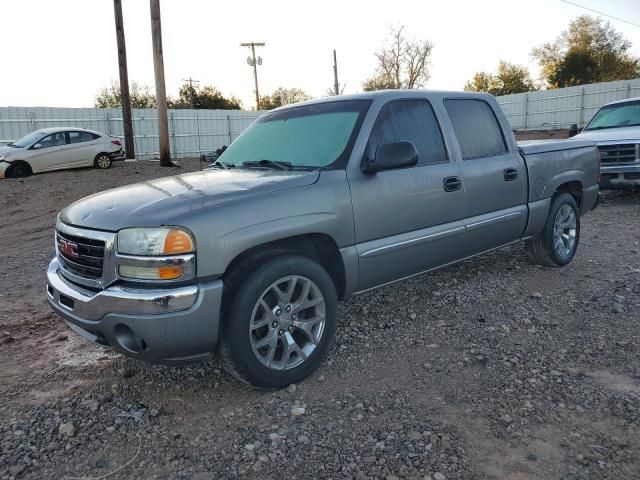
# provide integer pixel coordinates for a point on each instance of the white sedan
(57, 149)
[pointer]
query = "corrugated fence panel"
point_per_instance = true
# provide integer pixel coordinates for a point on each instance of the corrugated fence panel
(562, 107)
(190, 131)
(195, 131)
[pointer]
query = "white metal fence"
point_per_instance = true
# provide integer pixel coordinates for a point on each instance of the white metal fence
(190, 131)
(195, 131)
(562, 107)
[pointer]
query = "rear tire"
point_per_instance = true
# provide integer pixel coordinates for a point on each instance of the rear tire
(558, 242)
(278, 321)
(103, 161)
(19, 170)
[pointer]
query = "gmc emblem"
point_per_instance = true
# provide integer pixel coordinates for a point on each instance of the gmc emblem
(68, 249)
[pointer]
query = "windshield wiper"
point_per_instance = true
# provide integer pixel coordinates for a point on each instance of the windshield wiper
(268, 163)
(222, 165)
(12, 145)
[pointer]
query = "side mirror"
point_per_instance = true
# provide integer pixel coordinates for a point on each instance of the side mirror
(36, 146)
(390, 156)
(573, 130)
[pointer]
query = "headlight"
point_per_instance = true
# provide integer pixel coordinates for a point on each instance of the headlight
(166, 251)
(155, 241)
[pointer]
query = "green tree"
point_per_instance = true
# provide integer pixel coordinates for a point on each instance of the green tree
(590, 51)
(403, 62)
(510, 78)
(207, 97)
(283, 96)
(141, 96)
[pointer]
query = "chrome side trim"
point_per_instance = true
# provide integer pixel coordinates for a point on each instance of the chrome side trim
(497, 219)
(408, 243)
(439, 267)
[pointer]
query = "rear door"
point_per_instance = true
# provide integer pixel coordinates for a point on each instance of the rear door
(82, 148)
(494, 176)
(50, 153)
(405, 220)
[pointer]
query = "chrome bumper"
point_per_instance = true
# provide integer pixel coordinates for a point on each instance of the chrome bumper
(93, 306)
(620, 176)
(621, 168)
(168, 325)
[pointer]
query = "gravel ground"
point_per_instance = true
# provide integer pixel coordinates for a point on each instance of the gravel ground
(494, 368)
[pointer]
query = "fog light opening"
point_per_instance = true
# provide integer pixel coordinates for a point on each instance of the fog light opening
(127, 339)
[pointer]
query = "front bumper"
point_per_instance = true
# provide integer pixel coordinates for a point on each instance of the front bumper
(620, 177)
(170, 325)
(4, 166)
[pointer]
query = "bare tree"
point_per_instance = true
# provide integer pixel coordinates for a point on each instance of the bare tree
(403, 62)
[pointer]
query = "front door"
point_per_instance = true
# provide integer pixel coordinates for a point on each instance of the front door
(412, 219)
(50, 153)
(494, 177)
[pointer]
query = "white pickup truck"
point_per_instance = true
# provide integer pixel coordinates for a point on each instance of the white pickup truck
(615, 129)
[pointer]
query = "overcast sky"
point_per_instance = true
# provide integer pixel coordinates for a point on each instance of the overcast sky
(59, 53)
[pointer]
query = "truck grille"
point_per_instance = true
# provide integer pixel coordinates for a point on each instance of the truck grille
(620, 153)
(80, 255)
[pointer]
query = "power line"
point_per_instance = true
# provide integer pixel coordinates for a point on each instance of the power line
(601, 13)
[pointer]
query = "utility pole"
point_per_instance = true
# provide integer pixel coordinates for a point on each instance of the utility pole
(191, 92)
(161, 93)
(336, 85)
(254, 62)
(125, 99)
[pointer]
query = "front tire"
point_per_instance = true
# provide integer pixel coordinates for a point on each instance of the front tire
(558, 242)
(19, 170)
(103, 161)
(278, 321)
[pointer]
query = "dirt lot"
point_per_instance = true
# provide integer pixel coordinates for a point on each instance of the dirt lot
(493, 369)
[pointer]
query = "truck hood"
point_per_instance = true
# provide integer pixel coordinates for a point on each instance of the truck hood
(611, 134)
(161, 201)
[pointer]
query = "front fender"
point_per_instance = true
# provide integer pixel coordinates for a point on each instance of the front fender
(224, 232)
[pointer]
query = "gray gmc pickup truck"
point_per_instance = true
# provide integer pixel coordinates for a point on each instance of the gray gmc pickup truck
(313, 203)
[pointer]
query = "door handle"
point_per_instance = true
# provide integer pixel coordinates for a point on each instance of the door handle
(452, 184)
(510, 174)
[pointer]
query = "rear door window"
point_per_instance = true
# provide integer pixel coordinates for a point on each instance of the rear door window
(413, 121)
(476, 127)
(79, 137)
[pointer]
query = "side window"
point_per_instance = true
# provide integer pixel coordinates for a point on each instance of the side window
(412, 120)
(53, 140)
(79, 137)
(476, 128)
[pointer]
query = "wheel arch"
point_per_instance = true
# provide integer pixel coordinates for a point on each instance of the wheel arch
(317, 246)
(574, 188)
(20, 162)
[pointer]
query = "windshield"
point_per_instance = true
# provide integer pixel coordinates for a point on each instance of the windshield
(27, 140)
(311, 136)
(619, 115)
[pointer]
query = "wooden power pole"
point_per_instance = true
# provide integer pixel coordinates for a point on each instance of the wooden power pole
(252, 61)
(336, 85)
(125, 99)
(161, 93)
